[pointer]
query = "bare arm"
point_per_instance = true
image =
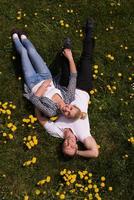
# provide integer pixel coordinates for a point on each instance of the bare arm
(42, 89)
(73, 73)
(68, 54)
(91, 148)
(43, 120)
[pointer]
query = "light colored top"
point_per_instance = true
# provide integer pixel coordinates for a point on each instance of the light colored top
(81, 100)
(80, 127)
(51, 90)
(46, 105)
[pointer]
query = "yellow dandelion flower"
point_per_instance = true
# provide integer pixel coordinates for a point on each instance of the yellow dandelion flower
(95, 66)
(110, 188)
(34, 159)
(31, 143)
(10, 136)
(91, 91)
(54, 118)
(96, 71)
(102, 184)
(81, 34)
(9, 125)
(61, 21)
(119, 74)
(37, 192)
(103, 178)
(13, 57)
(90, 186)
(96, 190)
(90, 174)
(4, 134)
(29, 137)
(130, 78)
(48, 179)
(18, 17)
(125, 47)
(26, 197)
(62, 196)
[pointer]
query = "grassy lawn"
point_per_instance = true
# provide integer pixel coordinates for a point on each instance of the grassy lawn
(110, 110)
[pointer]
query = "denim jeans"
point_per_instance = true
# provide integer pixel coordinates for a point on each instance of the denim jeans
(34, 68)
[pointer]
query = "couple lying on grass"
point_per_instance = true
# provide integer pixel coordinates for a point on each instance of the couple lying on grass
(65, 96)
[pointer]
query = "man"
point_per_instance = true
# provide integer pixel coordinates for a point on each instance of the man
(71, 131)
(75, 130)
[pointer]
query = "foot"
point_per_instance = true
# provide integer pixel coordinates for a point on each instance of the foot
(14, 30)
(18, 32)
(67, 43)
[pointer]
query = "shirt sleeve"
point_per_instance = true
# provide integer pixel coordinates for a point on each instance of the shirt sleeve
(36, 101)
(53, 130)
(72, 85)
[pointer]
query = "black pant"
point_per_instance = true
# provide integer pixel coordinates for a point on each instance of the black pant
(84, 78)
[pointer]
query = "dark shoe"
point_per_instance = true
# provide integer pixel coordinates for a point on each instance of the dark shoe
(67, 43)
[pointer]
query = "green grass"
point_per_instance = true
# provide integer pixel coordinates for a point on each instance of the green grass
(111, 115)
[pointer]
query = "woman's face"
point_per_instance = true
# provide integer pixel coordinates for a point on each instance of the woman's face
(69, 111)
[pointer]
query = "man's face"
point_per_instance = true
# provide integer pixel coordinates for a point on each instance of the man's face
(69, 145)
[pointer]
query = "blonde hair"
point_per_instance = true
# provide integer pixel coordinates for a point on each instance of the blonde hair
(79, 114)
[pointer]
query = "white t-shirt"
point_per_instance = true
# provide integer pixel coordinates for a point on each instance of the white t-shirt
(81, 100)
(51, 90)
(80, 127)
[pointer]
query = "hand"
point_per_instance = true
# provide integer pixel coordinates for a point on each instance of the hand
(68, 54)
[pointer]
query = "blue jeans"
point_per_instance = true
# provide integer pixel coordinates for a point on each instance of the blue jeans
(34, 68)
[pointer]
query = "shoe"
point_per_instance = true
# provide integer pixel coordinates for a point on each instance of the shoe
(18, 32)
(67, 43)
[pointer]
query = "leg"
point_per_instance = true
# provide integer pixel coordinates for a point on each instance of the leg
(30, 76)
(38, 63)
(60, 67)
(84, 80)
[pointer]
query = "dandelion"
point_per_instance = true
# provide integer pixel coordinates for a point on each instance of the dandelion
(110, 189)
(10, 136)
(91, 91)
(26, 197)
(67, 25)
(95, 66)
(13, 57)
(37, 192)
(19, 78)
(119, 74)
(103, 178)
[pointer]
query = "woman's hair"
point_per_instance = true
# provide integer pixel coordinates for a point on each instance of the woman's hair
(79, 114)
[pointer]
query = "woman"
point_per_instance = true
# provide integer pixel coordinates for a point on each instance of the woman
(79, 130)
(49, 97)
